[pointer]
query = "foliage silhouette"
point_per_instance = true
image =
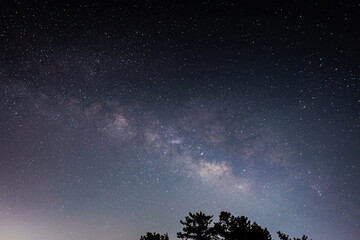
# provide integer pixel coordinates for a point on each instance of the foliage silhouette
(198, 226)
(154, 236)
(230, 227)
(282, 236)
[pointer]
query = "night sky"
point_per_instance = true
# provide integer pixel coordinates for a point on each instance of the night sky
(121, 118)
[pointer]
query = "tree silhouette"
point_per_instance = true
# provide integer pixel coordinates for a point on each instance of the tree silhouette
(258, 233)
(154, 236)
(228, 227)
(283, 236)
(197, 227)
(238, 228)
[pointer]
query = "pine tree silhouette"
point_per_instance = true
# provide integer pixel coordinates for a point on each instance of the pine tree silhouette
(154, 236)
(198, 226)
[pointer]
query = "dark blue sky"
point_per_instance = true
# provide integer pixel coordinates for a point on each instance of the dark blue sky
(118, 119)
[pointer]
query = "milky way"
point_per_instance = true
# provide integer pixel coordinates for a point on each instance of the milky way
(121, 119)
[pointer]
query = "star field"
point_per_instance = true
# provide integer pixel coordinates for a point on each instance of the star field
(120, 118)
